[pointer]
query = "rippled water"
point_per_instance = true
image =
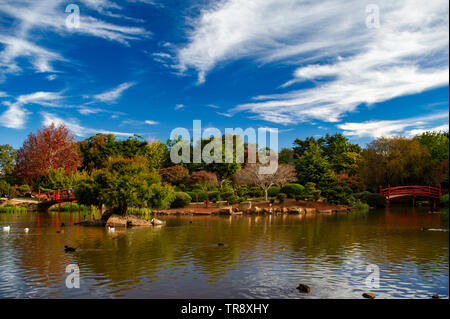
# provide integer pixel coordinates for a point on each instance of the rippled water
(263, 257)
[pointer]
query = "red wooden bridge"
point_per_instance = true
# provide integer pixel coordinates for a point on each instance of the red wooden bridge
(56, 197)
(413, 192)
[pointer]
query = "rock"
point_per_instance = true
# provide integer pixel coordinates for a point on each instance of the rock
(294, 211)
(156, 222)
(310, 210)
(325, 211)
(257, 210)
(368, 295)
(116, 221)
(304, 288)
(245, 205)
(226, 210)
(436, 296)
(137, 221)
(237, 213)
(285, 210)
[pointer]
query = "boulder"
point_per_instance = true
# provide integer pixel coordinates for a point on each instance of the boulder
(257, 210)
(226, 210)
(310, 210)
(116, 221)
(157, 222)
(368, 295)
(245, 206)
(325, 211)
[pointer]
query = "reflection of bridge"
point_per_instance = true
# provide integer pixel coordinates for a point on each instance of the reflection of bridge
(412, 191)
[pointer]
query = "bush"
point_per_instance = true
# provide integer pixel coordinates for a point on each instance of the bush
(444, 200)
(341, 195)
(230, 197)
(198, 196)
(255, 191)
(181, 200)
(242, 190)
(311, 191)
(292, 190)
(273, 191)
(281, 197)
(214, 196)
(372, 199)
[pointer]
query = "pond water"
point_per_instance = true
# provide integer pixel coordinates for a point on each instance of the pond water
(262, 257)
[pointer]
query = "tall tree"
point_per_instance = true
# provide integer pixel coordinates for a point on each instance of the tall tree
(52, 148)
(7, 156)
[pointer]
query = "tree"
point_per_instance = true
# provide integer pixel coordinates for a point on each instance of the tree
(203, 177)
(124, 182)
(313, 167)
(395, 161)
(52, 148)
(286, 156)
(252, 175)
(97, 149)
(157, 154)
(174, 175)
(7, 156)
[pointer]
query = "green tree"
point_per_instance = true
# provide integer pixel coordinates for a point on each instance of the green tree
(313, 167)
(7, 156)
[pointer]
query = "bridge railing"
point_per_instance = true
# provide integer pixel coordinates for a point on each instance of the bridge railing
(400, 191)
(60, 195)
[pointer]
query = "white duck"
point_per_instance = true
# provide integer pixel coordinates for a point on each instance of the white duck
(26, 230)
(111, 229)
(6, 228)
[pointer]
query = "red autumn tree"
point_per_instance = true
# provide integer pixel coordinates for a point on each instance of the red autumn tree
(204, 178)
(52, 148)
(174, 174)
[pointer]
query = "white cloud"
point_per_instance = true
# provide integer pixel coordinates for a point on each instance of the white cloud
(14, 117)
(33, 18)
(347, 63)
(113, 95)
(386, 128)
(179, 106)
(149, 122)
(74, 126)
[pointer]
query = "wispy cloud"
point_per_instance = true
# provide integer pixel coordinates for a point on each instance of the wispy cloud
(150, 122)
(113, 95)
(74, 126)
(16, 115)
(386, 128)
(345, 63)
(179, 106)
(31, 17)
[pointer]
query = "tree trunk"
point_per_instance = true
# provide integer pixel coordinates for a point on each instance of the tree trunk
(266, 193)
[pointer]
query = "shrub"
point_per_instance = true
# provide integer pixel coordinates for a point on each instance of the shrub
(203, 177)
(255, 191)
(174, 174)
(273, 191)
(339, 195)
(444, 200)
(281, 197)
(242, 190)
(372, 199)
(198, 196)
(181, 200)
(214, 196)
(291, 190)
(311, 191)
(230, 197)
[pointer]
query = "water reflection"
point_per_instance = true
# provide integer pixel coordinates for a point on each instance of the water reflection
(263, 257)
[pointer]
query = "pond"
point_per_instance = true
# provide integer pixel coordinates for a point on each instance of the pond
(262, 256)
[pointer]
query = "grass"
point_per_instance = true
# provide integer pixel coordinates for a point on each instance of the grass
(141, 212)
(66, 208)
(12, 209)
(361, 206)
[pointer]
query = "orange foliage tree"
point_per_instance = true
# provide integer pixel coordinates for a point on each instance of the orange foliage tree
(51, 148)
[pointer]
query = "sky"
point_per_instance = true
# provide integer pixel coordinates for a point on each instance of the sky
(363, 68)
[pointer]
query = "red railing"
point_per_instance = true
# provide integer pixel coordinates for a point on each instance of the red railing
(57, 196)
(411, 191)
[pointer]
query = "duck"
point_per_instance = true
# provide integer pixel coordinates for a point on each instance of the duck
(220, 244)
(26, 230)
(111, 229)
(6, 228)
(68, 249)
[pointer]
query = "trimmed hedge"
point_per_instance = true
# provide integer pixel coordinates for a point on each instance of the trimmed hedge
(181, 200)
(273, 191)
(444, 200)
(292, 190)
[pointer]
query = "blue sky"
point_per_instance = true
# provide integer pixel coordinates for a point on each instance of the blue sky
(149, 66)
